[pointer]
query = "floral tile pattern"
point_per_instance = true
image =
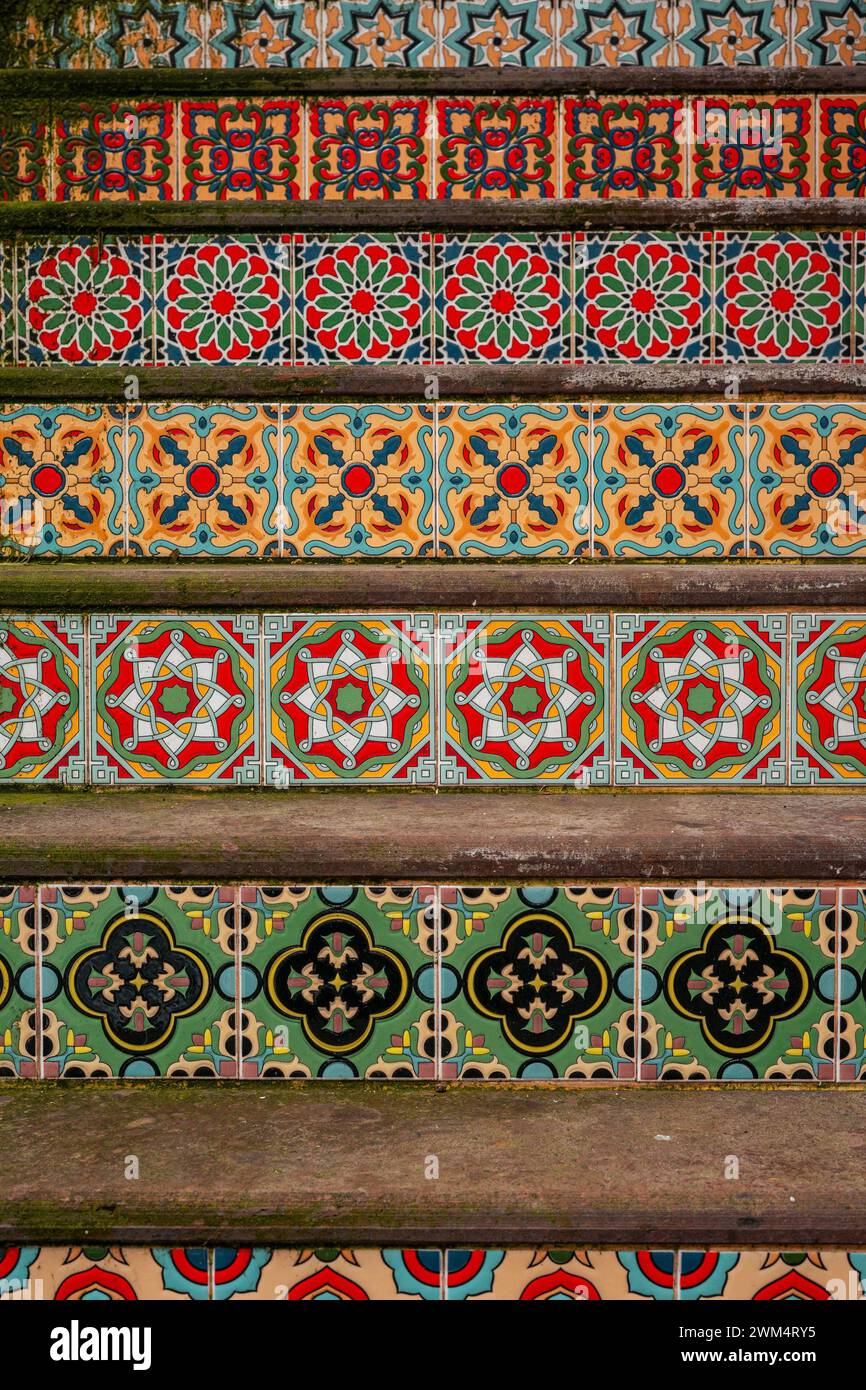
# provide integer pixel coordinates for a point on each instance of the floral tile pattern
(222, 299)
(497, 33)
(669, 480)
(852, 985)
(737, 984)
(705, 33)
(368, 148)
(503, 298)
(83, 302)
(613, 32)
(827, 32)
(18, 986)
(24, 154)
(772, 1275)
(175, 697)
(537, 983)
(497, 147)
(334, 1276)
(263, 33)
(841, 147)
(378, 34)
(151, 34)
(752, 146)
(621, 147)
(513, 480)
(41, 685)
(571, 1276)
(338, 982)
(107, 1273)
(701, 698)
(828, 714)
(115, 150)
(233, 149)
(523, 698)
(358, 480)
(350, 699)
(362, 299)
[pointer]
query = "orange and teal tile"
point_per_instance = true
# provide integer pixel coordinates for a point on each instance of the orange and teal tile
(807, 471)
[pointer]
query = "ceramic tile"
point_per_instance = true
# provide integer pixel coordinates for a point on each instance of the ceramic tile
(567, 1276)
(503, 298)
(852, 985)
(537, 984)
(113, 1273)
(860, 297)
(18, 993)
(83, 302)
(498, 33)
(138, 981)
(358, 480)
(61, 472)
(115, 150)
(624, 147)
(24, 154)
(150, 34)
(338, 982)
(808, 479)
(643, 297)
(497, 147)
(368, 147)
(350, 698)
(610, 33)
(841, 169)
(174, 698)
(7, 325)
(783, 297)
(513, 480)
(669, 480)
(706, 33)
(41, 690)
(737, 984)
(222, 299)
(771, 1275)
(701, 698)
(828, 715)
(332, 1276)
(362, 298)
(47, 38)
(240, 149)
(828, 32)
(523, 698)
(751, 147)
(379, 34)
(203, 480)
(263, 33)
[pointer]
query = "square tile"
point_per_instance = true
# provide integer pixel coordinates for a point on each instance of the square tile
(332, 1276)
(567, 1276)
(706, 33)
(827, 32)
(151, 34)
(513, 480)
(362, 298)
(61, 472)
(117, 1273)
(41, 689)
(610, 33)
(263, 33)
(350, 698)
(368, 147)
(503, 298)
(379, 34)
(852, 985)
(498, 33)
(702, 698)
(222, 299)
(240, 149)
(841, 147)
(751, 147)
(828, 712)
(138, 981)
(537, 984)
(82, 303)
(120, 150)
(338, 982)
(174, 698)
(359, 480)
(860, 297)
(624, 147)
(643, 297)
(497, 147)
(737, 984)
(783, 297)
(203, 480)
(770, 1275)
(807, 467)
(55, 37)
(18, 993)
(24, 154)
(669, 480)
(523, 699)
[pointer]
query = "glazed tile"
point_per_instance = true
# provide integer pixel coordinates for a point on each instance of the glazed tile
(707, 33)
(368, 147)
(359, 480)
(513, 480)
(41, 699)
(841, 125)
(827, 32)
(204, 480)
(222, 299)
(378, 34)
(138, 982)
(737, 984)
(334, 1276)
(61, 469)
(498, 33)
(828, 716)
(568, 1276)
(771, 1276)
(610, 33)
(751, 147)
(807, 466)
(24, 142)
(150, 34)
(522, 698)
(263, 33)
(83, 302)
(175, 698)
(18, 993)
(350, 698)
(702, 698)
(537, 984)
(497, 147)
(113, 1273)
(624, 147)
(240, 149)
(668, 480)
(852, 980)
(115, 150)
(55, 38)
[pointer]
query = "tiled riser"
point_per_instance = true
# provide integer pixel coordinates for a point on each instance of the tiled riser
(445, 33)
(449, 147)
(290, 699)
(133, 1272)
(440, 480)
(702, 297)
(400, 983)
